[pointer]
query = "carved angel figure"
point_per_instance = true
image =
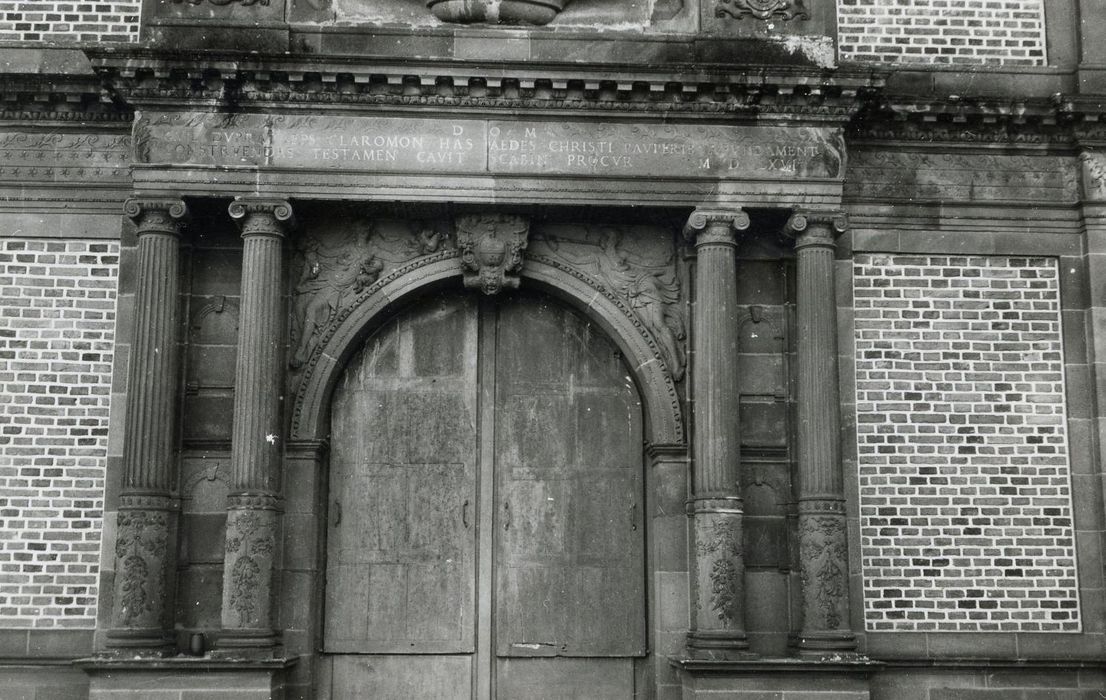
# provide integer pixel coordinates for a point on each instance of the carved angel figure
(650, 287)
(324, 280)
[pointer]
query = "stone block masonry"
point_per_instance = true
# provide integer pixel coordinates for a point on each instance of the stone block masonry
(68, 21)
(965, 495)
(57, 332)
(1003, 32)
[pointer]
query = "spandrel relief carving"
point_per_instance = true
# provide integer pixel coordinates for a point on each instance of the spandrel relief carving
(641, 269)
(333, 267)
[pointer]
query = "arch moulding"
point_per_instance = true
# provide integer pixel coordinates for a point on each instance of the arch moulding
(310, 419)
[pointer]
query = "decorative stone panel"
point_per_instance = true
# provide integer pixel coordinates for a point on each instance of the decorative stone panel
(1011, 32)
(57, 332)
(965, 494)
(68, 21)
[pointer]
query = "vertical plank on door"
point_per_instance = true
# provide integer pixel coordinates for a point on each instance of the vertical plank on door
(401, 550)
(570, 574)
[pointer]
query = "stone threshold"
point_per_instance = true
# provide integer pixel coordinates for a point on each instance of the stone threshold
(830, 663)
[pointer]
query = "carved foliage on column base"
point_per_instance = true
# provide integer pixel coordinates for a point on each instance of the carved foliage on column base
(823, 554)
(719, 589)
(248, 581)
(141, 551)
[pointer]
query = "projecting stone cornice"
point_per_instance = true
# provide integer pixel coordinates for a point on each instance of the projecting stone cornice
(1059, 120)
(149, 80)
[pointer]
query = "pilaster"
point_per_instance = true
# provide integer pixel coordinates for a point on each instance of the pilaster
(253, 506)
(823, 545)
(146, 527)
(716, 507)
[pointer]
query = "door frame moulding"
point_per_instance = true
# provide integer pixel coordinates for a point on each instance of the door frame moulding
(663, 419)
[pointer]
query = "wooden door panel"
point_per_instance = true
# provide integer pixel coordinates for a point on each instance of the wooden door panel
(401, 564)
(405, 677)
(566, 679)
(570, 571)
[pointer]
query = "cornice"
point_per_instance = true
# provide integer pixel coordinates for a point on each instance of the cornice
(150, 80)
(1057, 121)
(59, 99)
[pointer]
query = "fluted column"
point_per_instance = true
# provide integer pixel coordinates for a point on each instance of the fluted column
(253, 517)
(718, 572)
(823, 547)
(145, 543)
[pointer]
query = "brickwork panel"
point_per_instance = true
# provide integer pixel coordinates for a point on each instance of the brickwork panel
(965, 495)
(1006, 32)
(68, 21)
(57, 328)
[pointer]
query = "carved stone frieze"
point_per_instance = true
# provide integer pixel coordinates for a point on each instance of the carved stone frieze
(333, 270)
(641, 270)
(761, 9)
(1094, 174)
(491, 247)
(35, 157)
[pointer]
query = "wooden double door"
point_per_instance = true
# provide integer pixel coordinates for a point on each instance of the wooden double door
(486, 514)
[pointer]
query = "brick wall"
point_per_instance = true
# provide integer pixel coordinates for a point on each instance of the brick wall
(57, 326)
(965, 497)
(1008, 32)
(68, 21)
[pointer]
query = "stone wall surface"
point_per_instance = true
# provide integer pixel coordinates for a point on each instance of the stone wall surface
(1010, 32)
(57, 329)
(965, 497)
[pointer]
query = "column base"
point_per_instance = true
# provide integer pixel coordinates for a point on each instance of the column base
(151, 642)
(719, 645)
(817, 644)
(248, 644)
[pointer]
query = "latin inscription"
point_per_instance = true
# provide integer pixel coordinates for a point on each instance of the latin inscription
(388, 144)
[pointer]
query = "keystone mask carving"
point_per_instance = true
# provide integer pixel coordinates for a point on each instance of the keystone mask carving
(491, 248)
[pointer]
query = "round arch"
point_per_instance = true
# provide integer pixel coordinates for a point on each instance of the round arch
(311, 409)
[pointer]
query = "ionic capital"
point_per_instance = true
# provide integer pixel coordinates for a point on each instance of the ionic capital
(262, 216)
(816, 227)
(164, 215)
(715, 226)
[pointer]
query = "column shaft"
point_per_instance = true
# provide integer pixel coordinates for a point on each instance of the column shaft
(253, 519)
(823, 544)
(146, 525)
(718, 573)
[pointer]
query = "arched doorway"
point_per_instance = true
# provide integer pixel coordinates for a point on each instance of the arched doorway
(486, 529)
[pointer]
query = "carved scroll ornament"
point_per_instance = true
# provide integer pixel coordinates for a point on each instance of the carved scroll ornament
(761, 9)
(1094, 174)
(724, 547)
(491, 248)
